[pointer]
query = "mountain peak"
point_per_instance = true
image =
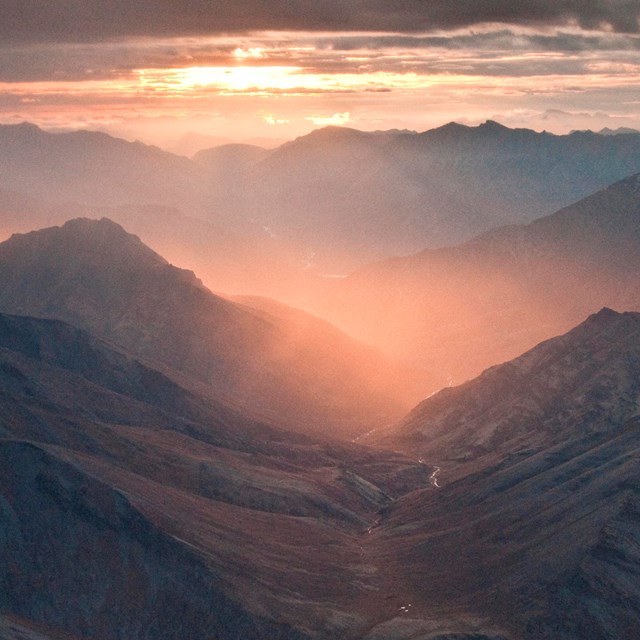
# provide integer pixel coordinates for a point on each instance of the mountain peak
(330, 133)
(608, 319)
(91, 225)
(450, 127)
(492, 125)
(605, 315)
(22, 130)
(100, 240)
(24, 126)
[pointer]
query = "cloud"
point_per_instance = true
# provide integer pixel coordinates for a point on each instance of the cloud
(337, 119)
(495, 39)
(274, 120)
(300, 57)
(99, 20)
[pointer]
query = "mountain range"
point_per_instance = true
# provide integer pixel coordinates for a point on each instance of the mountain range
(120, 487)
(329, 201)
(350, 196)
(461, 309)
(178, 463)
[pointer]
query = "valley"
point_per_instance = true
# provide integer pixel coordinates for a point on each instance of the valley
(440, 446)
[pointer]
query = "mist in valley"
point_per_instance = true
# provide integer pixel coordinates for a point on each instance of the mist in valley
(245, 390)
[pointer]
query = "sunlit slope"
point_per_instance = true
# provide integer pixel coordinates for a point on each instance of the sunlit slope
(96, 276)
(583, 384)
(464, 308)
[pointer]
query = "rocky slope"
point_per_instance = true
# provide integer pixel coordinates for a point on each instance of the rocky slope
(533, 524)
(131, 506)
(544, 547)
(464, 308)
(580, 385)
(96, 276)
(187, 519)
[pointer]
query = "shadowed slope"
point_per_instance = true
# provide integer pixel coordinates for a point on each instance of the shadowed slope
(96, 276)
(113, 499)
(267, 537)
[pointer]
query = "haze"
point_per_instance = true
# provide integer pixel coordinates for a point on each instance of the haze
(319, 320)
(270, 73)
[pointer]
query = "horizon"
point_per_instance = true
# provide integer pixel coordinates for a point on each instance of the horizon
(196, 141)
(244, 73)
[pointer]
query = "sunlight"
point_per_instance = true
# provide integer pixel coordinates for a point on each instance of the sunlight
(252, 52)
(337, 119)
(271, 79)
(239, 78)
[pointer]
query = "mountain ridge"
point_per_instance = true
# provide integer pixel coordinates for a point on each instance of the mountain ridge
(96, 276)
(466, 307)
(536, 400)
(342, 196)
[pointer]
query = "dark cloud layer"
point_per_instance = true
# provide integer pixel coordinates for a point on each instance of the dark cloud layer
(95, 20)
(504, 39)
(481, 53)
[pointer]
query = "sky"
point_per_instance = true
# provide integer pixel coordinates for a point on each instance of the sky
(265, 71)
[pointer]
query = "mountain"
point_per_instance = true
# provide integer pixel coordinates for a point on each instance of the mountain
(350, 196)
(461, 309)
(532, 524)
(192, 142)
(229, 159)
(322, 204)
(226, 168)
(94, 168)
(96, 276)
(232, 261)
(616, 132)
(544, 548)
(131, 505)
(581, 385)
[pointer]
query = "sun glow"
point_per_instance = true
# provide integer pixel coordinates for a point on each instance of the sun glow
(239, 78)
(271, 79)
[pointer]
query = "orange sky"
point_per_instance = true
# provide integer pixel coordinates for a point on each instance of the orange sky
(549, 71)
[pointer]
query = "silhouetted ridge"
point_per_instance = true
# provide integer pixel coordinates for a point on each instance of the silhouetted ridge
(83, 244)
(606, 316)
